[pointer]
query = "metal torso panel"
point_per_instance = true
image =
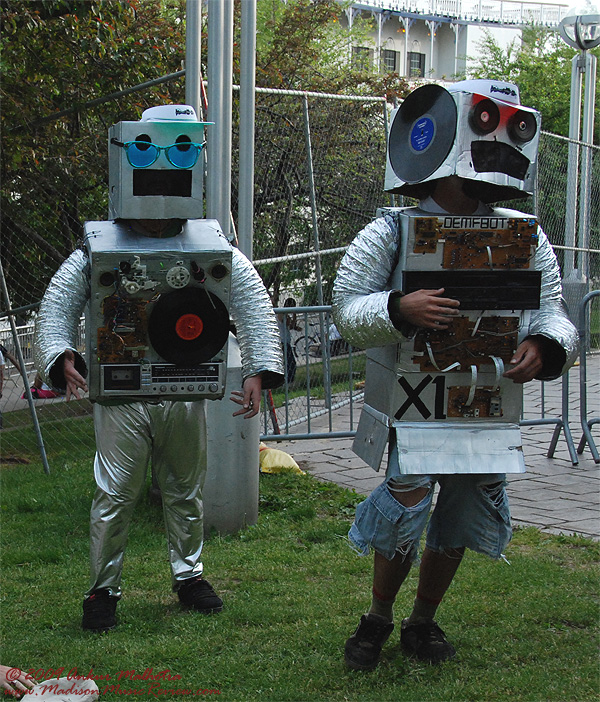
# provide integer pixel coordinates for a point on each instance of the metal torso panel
(159, 312)
(443, 391)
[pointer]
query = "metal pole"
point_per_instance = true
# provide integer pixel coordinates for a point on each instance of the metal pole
(313, 199)
(220, 88)
(586, 424)
(588, 138)
(247, 112)
(193, 52)
(574, 283)
(315, 225)
(573, 164)
(34, 419)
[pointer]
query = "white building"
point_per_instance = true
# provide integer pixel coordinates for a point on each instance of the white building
(433, 38)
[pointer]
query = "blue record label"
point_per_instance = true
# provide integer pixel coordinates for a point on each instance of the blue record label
(422, 133)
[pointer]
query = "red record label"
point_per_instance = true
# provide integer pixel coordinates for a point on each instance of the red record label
(189, 326)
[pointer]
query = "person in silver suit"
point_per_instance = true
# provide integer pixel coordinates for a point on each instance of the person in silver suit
(133, 431)
(372, 311)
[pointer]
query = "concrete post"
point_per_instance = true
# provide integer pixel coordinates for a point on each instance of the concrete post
(230, 492)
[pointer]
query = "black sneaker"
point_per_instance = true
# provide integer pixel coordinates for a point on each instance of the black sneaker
(198, 593)
(426, 641)
(363, 648)
(99, 611)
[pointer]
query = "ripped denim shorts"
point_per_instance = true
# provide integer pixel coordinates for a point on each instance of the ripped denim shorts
(471, 510)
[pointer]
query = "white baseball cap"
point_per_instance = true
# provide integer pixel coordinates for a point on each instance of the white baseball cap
(170, 113)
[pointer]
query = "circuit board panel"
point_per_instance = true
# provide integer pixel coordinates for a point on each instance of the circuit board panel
(485, 403)
(506, 248)
(468, 342)
(123, 338)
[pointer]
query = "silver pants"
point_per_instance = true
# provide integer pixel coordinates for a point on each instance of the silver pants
(128, 436)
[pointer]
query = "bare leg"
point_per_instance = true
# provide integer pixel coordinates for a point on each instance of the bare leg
(421, 636)
(363, 648)
(388, 576)
(435, 575)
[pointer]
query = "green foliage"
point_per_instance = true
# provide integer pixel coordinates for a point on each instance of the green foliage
(57, 55)
(302, 46)
(541, 66)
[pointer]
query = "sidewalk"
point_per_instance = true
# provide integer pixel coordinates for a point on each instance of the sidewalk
(553, 495)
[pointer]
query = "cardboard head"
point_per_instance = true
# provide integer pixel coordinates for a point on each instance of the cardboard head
(156, 165)
(476, 129)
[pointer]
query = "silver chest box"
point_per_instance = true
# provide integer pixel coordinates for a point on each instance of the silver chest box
(158, 321)
(442, 390)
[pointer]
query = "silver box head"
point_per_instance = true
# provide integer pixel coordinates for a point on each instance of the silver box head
(161, 183)
(476, 130)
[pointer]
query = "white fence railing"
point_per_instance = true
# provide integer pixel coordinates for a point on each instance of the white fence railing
(503, 11)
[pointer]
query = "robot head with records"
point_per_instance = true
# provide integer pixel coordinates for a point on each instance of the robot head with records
(156, 165)
(476, 129)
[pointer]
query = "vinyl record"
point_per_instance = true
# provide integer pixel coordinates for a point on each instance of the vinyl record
(188, 327)
(422, 133)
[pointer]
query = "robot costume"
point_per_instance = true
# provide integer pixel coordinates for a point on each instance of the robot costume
(438, 398)
(157, 329)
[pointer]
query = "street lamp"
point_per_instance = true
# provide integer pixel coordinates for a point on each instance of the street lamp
(580, 28)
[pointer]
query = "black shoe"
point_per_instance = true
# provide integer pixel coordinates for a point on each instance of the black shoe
(99, 611)
(198, 593)
(363, 648)
(426, 641)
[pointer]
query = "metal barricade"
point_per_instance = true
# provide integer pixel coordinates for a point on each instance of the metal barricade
(320, 377)
(586, 423)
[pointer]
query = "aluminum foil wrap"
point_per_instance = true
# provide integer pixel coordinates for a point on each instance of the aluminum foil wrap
(360, 297)
(552, 320)
(57, 321)
(256, 324)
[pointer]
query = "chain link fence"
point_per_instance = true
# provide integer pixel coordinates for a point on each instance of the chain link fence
(319, 168)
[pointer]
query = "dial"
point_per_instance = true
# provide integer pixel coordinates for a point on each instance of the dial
(178, 277)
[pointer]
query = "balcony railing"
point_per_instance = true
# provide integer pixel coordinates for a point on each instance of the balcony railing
(509, 12)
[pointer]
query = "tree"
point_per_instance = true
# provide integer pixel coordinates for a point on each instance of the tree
(301, 46)
(57, 55)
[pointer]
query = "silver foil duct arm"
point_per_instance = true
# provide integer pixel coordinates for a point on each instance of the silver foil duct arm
(255, 322)
(552, 320)
(360, 298)
(57, 321)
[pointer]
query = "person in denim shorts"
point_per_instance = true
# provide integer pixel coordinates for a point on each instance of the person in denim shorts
(471, 509)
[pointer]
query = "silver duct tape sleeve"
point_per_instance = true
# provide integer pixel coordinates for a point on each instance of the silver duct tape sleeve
(256, 325)
(360, 299)
(57, 321)
(552, 320)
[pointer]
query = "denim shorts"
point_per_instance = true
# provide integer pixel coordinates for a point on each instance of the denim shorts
(471, 511)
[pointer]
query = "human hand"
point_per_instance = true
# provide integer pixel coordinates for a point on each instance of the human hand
(426, 308)
(15, 681)
(75, 381)
(249, 398)
(526, 363)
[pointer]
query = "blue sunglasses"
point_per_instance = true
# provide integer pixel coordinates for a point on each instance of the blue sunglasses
(142, 154)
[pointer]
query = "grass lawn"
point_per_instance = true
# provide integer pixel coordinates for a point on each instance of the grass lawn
(293, 593)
